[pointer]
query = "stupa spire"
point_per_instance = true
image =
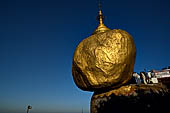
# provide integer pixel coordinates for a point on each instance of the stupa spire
(100, 16)
(101, 27)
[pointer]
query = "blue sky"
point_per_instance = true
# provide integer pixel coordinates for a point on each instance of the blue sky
(38, 39)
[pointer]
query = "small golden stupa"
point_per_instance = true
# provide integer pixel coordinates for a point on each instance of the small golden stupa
(104, 60)
(101, 27)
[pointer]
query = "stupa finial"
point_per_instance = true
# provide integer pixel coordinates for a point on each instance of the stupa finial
(100, 16)
(101, 27)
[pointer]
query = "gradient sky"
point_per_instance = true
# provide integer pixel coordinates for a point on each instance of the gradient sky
(38, 39)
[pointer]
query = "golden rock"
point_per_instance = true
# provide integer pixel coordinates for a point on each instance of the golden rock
(104, 60)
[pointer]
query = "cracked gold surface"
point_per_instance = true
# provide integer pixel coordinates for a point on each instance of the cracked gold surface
(104, 60)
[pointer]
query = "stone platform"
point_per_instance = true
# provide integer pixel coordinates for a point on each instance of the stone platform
(132, 99)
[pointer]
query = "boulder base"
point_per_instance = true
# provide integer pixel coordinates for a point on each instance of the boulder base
(132, 99)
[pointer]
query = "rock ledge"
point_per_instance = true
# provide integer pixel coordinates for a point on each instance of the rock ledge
(131, 99)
